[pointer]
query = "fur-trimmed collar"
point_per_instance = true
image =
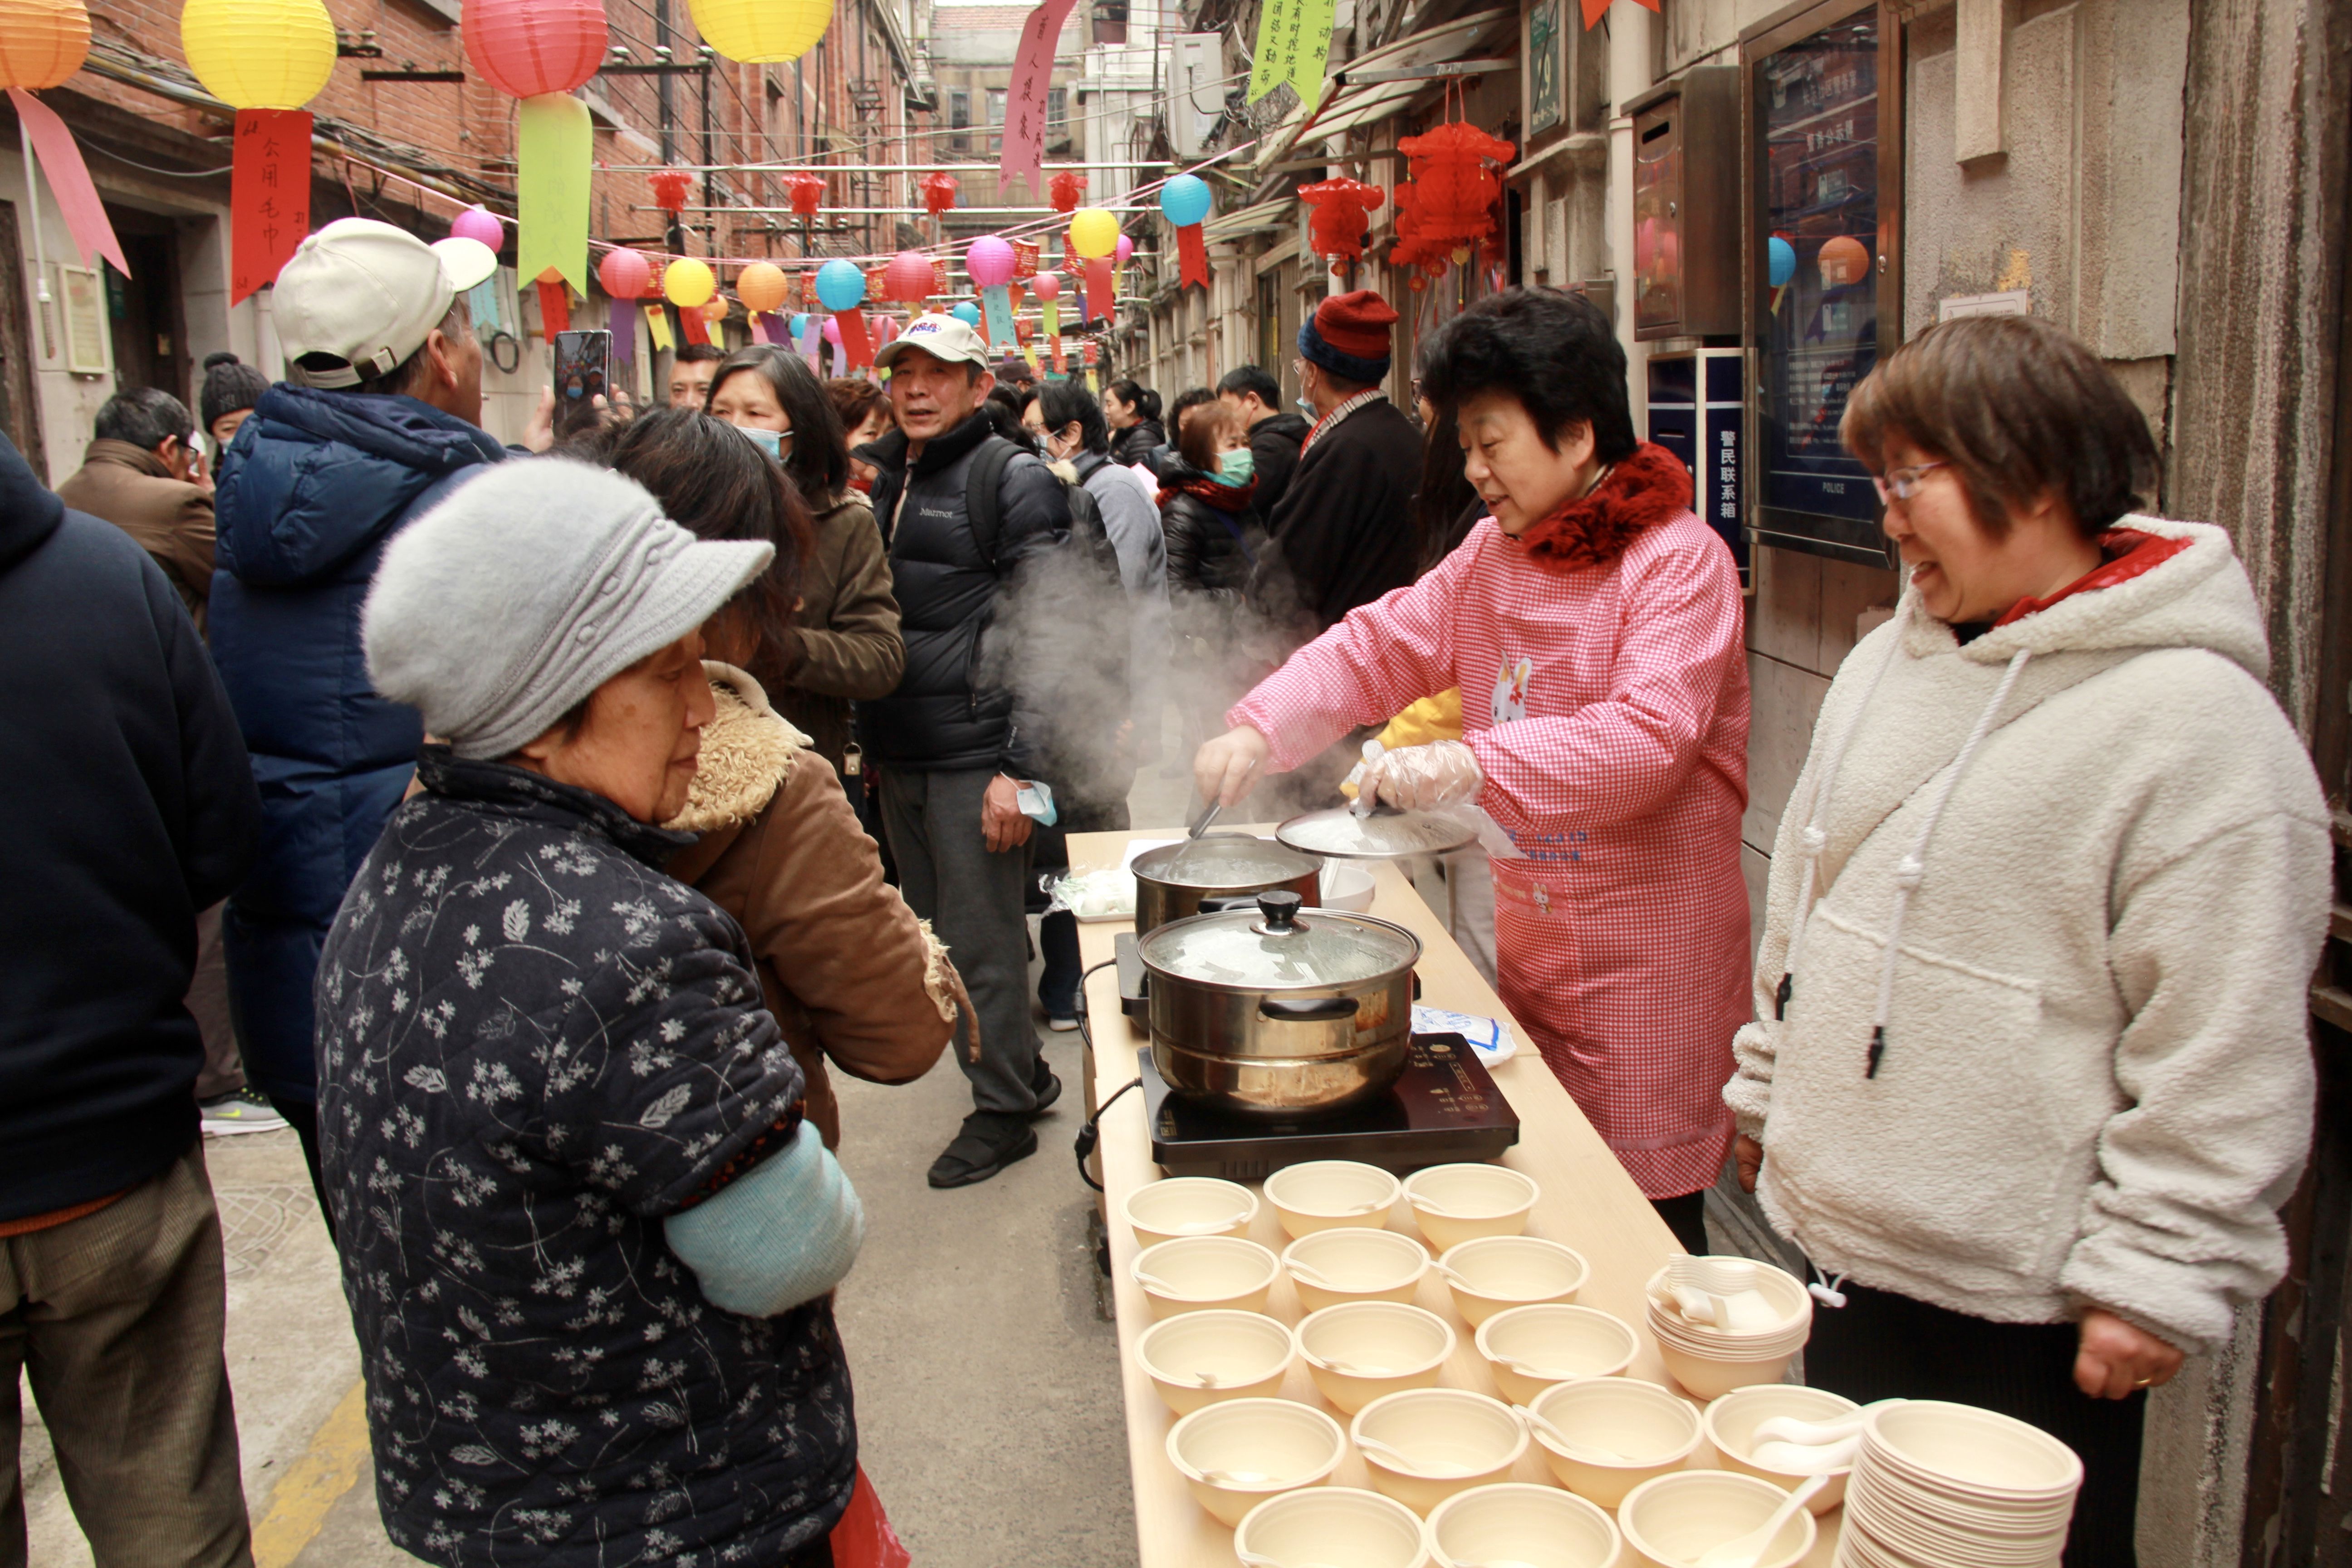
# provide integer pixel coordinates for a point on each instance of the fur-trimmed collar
(1648, 488)
(746, 750)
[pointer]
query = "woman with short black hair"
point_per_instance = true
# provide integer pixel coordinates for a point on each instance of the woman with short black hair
(1594, 626)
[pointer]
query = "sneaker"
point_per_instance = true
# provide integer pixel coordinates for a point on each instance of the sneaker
(240, 1110)
(990, 1139)
(1062, 1023)
(1046, 1086)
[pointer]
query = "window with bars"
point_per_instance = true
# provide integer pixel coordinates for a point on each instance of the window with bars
(1057, 119)
(959, 120)
(995, 102)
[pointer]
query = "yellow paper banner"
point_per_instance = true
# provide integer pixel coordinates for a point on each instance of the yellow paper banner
(554, 147)
(1294, 44)
(657, 324)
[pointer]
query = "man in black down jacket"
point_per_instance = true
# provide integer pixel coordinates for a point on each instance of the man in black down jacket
(133, 807)
(1274, 432)
(953, 747)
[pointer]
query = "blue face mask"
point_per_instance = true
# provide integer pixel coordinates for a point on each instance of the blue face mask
(1234, 468)
(769, 441)
(1305, 406)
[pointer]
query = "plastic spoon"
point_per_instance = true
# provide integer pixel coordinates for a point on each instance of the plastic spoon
(1543, 1424)
(1747, 1551)
(1200, 1226)
(1345, 1368)
(1714, 1276)
(1257, 1560)
(1435, 1468)
(1548, 1373)
(1314, 1276)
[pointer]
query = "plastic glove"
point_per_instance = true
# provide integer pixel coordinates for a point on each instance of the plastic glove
(1425, 778)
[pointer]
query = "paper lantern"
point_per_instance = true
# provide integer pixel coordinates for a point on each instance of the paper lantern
(714, 310)
(804, 191)
(1782, 264)
(908, 278)
(260, 54)
(526, 48)
(1095, 232)
(939, 189)
(687, 283)
(626, 275)
(1338, 228)
(799, 325)
(1066, 187)
(1843, 261)
(761, 286)
(761, 32)
(1124, 249)
(1046, 285)
(478, 223)
(670, 188)
(1457, 190)
(840, 286)
(967, 313)
(1185, 199)
(42, 42)
(990, 261)
(833, 333)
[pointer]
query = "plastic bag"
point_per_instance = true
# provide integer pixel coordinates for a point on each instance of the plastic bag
(1099, 895)
(864, 1538)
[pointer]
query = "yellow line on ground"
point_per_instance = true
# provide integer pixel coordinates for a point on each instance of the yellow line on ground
(328, 1469)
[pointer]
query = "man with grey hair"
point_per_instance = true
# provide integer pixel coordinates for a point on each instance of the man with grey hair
(378, 419)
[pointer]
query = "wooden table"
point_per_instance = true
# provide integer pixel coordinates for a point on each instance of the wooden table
(1588, 1203)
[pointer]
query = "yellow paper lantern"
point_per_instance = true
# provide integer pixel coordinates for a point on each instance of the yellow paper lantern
(1095, 232)
(687, 283)
(260, 54)
(42, 42)
(757, 32)
(761, 287)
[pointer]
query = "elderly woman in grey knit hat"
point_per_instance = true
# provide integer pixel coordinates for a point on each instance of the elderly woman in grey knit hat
(557, 1124)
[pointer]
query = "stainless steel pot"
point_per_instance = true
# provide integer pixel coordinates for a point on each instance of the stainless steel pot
(1171, 881)
(1268, 1012)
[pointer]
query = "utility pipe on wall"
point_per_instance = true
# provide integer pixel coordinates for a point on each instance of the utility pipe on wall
(1629, 76)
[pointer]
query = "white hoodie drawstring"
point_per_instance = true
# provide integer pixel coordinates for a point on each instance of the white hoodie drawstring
(1824, 1289)
(1911, 868)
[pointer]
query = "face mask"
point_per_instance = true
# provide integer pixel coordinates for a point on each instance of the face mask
(1305, 406)
(1234, 468)
(769, 441)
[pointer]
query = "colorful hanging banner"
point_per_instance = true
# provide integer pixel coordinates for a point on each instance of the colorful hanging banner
(812, 342)
(854, 339)
(554, 307)
(624, 328)
(693, 325)
(657, 328)
(996, 306)
(77, 198)
(1025, 98)
(1053, 313)
(1100, 293)
(269, 195)
(1595, 9)
(555, 145)
(1293, 45)
(482, 303)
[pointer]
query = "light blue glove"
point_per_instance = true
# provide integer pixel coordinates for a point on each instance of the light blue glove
(783, 1233)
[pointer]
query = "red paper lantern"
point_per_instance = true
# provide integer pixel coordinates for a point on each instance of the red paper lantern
(939, 192)
(1340, 222)
(1457, 189)
(527, 47)
(671, 187)
(804, 191)
(908, 279)
(1065, 190)
(626, 275)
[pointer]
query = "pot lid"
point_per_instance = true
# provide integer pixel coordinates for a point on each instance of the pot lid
(1277, 947)
(1385, 835)
(1224, 860)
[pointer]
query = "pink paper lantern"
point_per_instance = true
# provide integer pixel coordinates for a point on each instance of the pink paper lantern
(478, 223)
(1126, 249)
(626, 275)
(990, 261)
(1046, 285)
(527, 47)
(832, 330)
(909, 279)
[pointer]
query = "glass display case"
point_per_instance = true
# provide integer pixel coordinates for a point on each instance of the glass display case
(1686, 206)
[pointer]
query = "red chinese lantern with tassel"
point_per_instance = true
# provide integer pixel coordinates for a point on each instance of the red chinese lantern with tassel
(939, 193)
(804, 191)
(1458, 191)
(1341, 220)
(1065, 190)
(671, 187)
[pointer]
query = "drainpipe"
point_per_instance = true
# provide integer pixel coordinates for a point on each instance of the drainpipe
(1629, 76)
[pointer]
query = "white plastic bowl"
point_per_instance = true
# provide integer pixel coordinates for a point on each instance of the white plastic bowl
(1236, 1454)
(1530, 1349)
(1358, 1265)
(1334, 1524)
(1346, 886)
(1323, 1194)
(1649, 1430)
(1972, 1453)
(1711, 1377)
(1203, 1273)
(1452, 1440)
(1189, 1205)
(1358, 1351)
(1542, 1527)
(1203, 1358)
(1496, 1273)
(1477, 1200)
(1731, 1421)
(1672, 1520)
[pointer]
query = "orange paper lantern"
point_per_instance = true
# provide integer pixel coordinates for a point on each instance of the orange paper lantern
(1843, 261)
(42, 42)
(761, 287)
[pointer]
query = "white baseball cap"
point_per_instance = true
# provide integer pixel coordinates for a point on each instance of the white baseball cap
(941, 337)
(364, 296)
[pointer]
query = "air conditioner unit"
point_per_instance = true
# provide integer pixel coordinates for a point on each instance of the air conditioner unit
(1196, 102)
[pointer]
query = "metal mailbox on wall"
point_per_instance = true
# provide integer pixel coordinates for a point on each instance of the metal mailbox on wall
(1699, 412)
(1687, 279)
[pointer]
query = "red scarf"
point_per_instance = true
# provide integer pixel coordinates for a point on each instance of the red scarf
(2124, 554)
(1224, 497)
(1648, 488)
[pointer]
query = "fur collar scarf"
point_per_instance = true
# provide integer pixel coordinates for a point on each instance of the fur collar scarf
(1648, 488)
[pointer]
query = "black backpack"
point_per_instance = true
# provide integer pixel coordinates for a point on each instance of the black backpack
(983, 503)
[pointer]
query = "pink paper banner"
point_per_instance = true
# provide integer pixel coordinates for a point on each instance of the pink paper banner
(1024, 99)
(85, 214)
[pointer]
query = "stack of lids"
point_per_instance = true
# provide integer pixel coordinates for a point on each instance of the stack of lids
(1950, 1486)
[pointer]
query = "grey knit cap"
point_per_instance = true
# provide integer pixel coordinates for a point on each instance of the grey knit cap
(530, 587)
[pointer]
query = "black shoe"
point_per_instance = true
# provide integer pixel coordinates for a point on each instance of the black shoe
(990, 1139)
(1046, 1086)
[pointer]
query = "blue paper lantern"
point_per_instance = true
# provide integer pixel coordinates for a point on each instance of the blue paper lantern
(800, 325)
(1781, 265)
(840, 286)
(967, 313)
(1184, 200)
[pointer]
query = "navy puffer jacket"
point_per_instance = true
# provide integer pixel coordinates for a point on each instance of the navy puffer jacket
(310, 492)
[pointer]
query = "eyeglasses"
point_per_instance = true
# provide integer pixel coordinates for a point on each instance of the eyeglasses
(1902, 484)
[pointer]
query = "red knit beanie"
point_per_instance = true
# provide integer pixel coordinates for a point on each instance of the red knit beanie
(1356, 324)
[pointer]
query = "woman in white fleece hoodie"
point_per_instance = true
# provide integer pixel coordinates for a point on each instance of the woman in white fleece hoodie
(2029, 1076)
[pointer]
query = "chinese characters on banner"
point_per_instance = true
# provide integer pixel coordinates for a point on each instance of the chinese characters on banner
(270, 194)
(1294, 44)
(1024, 101)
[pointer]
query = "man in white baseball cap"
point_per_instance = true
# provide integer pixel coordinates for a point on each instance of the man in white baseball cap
(378, 419)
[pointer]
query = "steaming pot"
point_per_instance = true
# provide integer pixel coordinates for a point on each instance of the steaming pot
(1173, 882)
(1270, 1012)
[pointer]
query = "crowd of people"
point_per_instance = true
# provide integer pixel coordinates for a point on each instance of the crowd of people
(533, 829)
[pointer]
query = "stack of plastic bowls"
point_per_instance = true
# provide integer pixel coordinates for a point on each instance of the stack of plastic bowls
(1951, 1485)
(1710, 1362)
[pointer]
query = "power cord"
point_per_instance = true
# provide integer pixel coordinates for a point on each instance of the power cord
(1090, 1131)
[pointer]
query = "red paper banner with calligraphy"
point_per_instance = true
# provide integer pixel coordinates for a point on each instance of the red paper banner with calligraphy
(1024, 101)
(268, 196)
